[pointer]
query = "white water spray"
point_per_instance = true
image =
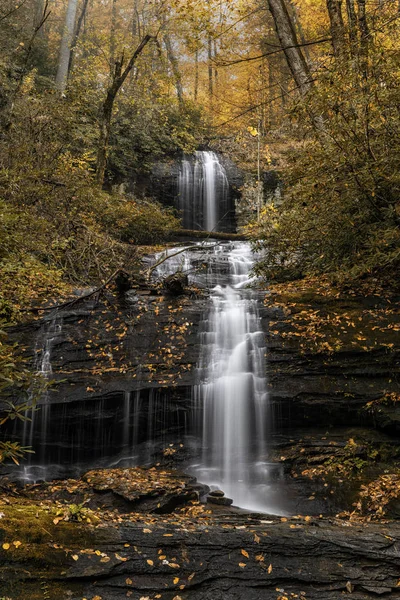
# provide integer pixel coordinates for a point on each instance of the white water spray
(203, 192)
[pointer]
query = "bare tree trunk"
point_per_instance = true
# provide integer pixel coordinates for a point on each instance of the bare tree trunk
(215, 69)
(352, 20)
(196, 75)
(175, 67)
(77, 34)
(362, 20)
(118, 79)
(39, 8)
(364, 34)
(112, 35)
(336, 25)
(210, 69)
(65, 48)
(290, 45)
(295, 15)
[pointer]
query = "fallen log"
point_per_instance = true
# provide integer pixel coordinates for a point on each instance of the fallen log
(213, 235)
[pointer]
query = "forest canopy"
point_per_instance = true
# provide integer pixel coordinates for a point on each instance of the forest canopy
(93, 92)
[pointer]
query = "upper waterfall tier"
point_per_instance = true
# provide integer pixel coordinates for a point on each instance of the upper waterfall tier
(203, 192)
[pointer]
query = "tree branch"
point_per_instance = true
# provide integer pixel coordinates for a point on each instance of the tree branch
(280, 49)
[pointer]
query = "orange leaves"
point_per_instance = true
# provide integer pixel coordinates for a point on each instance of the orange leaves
(246, 554)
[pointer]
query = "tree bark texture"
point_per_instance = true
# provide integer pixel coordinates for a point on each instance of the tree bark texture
(352, 20)
(77, 33)
(174, 66)
(336, 25)
(288, 39)
(65, 48)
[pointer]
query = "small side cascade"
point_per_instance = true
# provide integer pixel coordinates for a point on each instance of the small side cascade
(39, 418)
(203, 192)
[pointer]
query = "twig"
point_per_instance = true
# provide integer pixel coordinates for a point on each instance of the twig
(70, 303)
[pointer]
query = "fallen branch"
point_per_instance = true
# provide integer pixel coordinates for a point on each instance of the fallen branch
(167, 256)
(70, 303)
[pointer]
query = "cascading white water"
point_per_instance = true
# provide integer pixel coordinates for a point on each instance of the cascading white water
(232, 393)
(231, 397)
(39, 419)
(202, 191)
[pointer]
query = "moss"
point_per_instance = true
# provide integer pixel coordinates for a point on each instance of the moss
(32, 524)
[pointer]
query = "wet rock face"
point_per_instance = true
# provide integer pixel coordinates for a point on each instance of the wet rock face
(163, 185)
(126, 368)
(331, 365)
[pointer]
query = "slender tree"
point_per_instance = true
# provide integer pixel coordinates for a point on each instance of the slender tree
(352, 21)
(336, 26)
(172, 60)
(65, 48)
(119, 76)
(77, 33)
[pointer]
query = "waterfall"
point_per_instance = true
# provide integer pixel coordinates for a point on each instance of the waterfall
(203, 192)
(39, 418)
(231, 395)
(230, 399)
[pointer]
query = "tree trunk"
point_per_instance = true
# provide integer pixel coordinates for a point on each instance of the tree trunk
(196, 76)
(38, 15)
(77, 34)
(362, 20)
(175, 67)
(112, 35)
(364, 34)
(295, 15)
(336, 25)
(118, 79)
(290, 45)
(65, 48)
(215, 69)
(352, 20)
(210, 69)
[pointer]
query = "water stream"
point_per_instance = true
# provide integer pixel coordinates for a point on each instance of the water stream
(203, 192)
(230, 412)
(231, 409)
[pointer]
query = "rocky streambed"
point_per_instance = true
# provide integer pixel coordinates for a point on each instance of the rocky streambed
(333, 377)
(118, 542)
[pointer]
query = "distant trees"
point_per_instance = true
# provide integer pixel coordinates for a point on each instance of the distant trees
(340, 212)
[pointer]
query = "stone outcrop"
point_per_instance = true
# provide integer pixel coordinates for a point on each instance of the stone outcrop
(220, 557)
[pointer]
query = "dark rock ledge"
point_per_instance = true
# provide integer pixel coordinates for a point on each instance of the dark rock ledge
(197, 552)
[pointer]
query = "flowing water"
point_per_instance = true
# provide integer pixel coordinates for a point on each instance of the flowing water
(232, 414)
(203, 192)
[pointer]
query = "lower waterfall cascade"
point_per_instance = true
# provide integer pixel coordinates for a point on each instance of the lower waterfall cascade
(232, 415)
